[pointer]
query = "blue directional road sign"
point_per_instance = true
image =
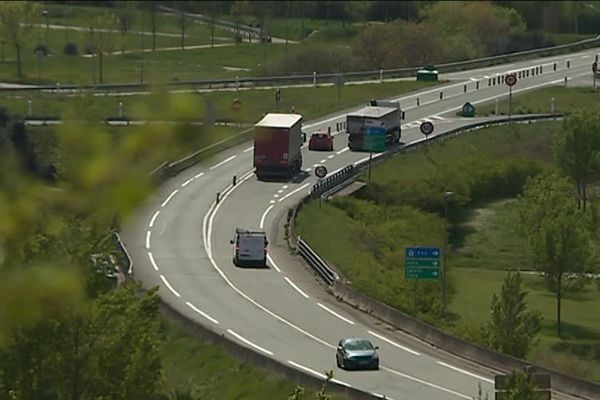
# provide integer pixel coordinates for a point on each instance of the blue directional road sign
(422, 263)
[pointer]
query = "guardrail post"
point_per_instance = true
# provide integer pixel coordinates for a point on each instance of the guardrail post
(497, 106)
(552, 105)
(541, 69)
(489, 82)
(237, 83)
(380, 75)
(565, 81)
(314, 79)
(218, 197)
(29, 108)
(477, 85)
(234, 180)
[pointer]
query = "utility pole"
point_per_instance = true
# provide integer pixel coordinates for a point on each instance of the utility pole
(447, 196)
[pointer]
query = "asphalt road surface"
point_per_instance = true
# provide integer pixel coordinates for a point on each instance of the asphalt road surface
(179, 240)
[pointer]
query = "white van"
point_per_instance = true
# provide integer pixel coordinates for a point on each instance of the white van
(250, 248)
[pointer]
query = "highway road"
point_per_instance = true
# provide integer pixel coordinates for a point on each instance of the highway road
(179, 240)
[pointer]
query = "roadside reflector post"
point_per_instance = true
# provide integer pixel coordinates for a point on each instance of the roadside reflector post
(234, 180)
(465, 88)
(418, 103)
(565, 81)
(218, 197)
(120, 109)
(441, 95)
(497, 110)
(314, 79)
(477, 85)
(568, 63)
(380, 75)
(29, 108)
(552, 105)
(237, 83)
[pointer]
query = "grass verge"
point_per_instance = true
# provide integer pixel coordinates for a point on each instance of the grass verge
(308, 101)
(565, 100)
(207, 372)
(484, 244)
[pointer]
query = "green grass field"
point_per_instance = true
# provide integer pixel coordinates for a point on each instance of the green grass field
(565, 100)
(308, 101)
(485, 243)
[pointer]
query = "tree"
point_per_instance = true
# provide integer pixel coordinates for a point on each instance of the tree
(555, 233)
(577, 150)
(151, 8)
(512, 328)
(126, 17)
(520, 386)
(182, 20)
(101, 38)
(16, 25)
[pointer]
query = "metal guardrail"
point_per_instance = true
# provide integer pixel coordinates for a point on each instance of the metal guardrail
(316, 262)
(326, 185)
(340, 178)
(128, 268)
(314, 78)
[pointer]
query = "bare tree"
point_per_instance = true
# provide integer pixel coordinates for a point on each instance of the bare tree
(16, 25)
(102, 39)
(126, 18)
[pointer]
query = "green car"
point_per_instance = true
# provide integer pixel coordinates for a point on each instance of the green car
(356, 354)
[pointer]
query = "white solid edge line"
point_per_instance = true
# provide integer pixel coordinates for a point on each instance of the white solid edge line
(168, 285)
(394, 343)
(381, 396)
(205, 315)
(248, 149)
(341, 151)
(341, 382)
(364, 159)
(330, 156)
(262, 219)
(302, 367)
(207, 233)
(273, 263)
(151, 257)
(222, 162)
(249, 343)
(198, 175)
(184, 184)
(148, 233)
(164, 203)
(292, 284)
(323, 161)
(329, 310)
(293, 192)
(465, 372)
(151, 224)
(432, 385)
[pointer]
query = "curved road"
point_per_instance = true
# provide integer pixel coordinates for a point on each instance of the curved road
(180, 241)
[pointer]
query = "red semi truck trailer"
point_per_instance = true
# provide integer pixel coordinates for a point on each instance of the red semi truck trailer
(278, 145)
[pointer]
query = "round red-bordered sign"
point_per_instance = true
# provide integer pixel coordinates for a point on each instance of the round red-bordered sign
(426, 128)
(510, 79)
(321, 171)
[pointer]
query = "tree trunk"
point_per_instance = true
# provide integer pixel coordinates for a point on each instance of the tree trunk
(558, 303)
(18, 51)
(578, 193)
(584, 192)
(100, 71)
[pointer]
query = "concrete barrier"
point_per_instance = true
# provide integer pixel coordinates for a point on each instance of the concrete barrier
(460, 347)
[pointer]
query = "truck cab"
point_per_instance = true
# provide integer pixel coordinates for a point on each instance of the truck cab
(249, 248)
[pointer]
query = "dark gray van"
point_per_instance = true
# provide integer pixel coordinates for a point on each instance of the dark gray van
(250, 248)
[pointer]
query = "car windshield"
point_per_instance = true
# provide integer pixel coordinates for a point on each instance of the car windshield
(358, 345)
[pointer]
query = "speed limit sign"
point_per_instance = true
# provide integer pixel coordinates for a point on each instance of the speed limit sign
(510, 79)
(321, 171)
(426, 128)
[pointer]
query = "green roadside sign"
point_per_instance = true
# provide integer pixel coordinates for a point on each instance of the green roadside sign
(374, 139)
(422, 263)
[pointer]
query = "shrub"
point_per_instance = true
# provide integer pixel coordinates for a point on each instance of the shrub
(41, 48)
(70, 49)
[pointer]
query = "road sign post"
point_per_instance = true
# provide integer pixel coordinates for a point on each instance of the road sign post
(339, 82)
(320, 172)
(277, 98)
(373, 141)
(594, 71)
(422, 263)
(510, 80)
